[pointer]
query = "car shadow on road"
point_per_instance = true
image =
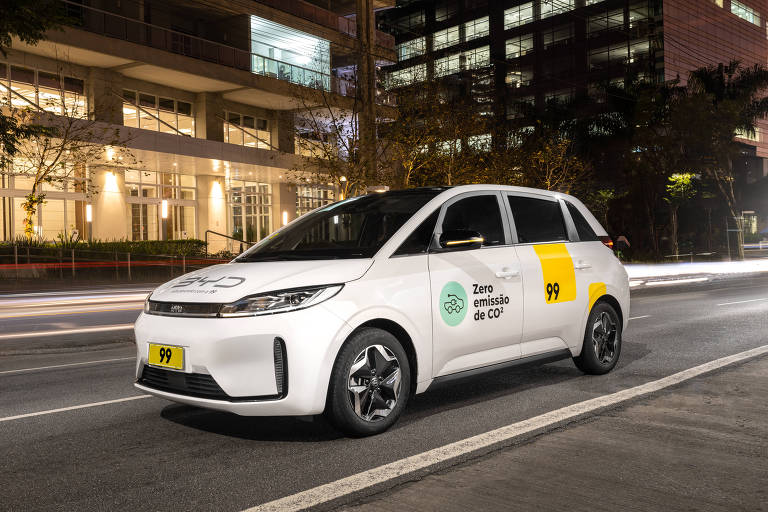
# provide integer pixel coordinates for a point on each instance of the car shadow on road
(458, 394)
(254, 428)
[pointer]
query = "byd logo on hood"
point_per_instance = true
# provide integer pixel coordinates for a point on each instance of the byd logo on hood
(222, 282)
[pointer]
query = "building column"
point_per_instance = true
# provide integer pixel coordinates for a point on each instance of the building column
(284, 140)
(104, 90)
(209, 112)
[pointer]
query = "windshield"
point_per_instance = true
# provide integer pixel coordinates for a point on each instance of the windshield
(354, 228)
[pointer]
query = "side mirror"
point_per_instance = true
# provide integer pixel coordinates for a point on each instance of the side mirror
(461, 239)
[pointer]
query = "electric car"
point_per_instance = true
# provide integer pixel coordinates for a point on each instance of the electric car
(352, 309)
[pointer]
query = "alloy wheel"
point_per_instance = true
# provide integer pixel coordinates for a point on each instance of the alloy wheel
(604, 338)
(374, 383)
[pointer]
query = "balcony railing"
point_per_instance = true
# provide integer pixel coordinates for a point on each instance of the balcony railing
(135, 31)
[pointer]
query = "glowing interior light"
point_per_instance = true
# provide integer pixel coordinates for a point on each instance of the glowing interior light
(88, 213)
(285, 218)
(164, 208)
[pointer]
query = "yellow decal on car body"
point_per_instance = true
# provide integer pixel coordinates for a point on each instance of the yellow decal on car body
(557, 271)
(596, 290)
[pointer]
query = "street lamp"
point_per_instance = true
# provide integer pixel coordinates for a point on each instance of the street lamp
(89, 220)
(164, 215)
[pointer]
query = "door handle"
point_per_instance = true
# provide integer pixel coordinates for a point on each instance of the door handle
(582, 265)
(507, 274)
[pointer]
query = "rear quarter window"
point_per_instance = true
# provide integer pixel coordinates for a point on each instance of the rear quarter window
(585, 231)
(537, 220)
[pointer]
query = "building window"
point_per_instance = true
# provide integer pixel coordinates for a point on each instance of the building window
(52, 92)
(480, 142)
(251, 207)
(520, 77)
(603, 21)
(289, 54)
(476, 28)
(638, 12)
(520, 107)
(470, 59)
(562, 95)
(477, 57)
(411, 49)
(600, 57)
(557, 35)
(745, 12)
(518, 15)
(519, 46)
(156, 113)
(407, 76)
(411, 21)
(309, 197)
(593, 2)
(638, 49)
(555, 7)
(145, 191)
(445, 38)
(247, 131)
(445, 10)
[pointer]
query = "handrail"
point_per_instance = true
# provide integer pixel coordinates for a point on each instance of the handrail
(225, 236)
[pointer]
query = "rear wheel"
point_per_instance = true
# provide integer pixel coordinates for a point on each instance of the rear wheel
(602, 341)
(370, 383)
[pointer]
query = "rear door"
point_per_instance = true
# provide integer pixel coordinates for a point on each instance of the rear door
(476, 293)
(553, 297)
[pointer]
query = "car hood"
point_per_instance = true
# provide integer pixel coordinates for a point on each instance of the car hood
(232, 281)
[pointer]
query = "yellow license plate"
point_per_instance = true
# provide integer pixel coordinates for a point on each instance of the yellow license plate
(168, 356)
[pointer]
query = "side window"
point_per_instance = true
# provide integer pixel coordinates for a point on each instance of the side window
(476, 213)
(418, 241)
(537, 220)
(585, 231)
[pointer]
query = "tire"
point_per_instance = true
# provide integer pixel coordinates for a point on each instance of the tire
(602, 342)
(367, 400)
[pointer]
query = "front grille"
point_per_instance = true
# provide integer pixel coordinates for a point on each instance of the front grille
(195, 309)
(190, 384)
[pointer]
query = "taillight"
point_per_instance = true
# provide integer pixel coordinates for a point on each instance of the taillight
(607, 241)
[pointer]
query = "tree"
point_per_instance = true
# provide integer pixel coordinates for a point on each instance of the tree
(549, 163)
(680, 189)
(329, 128)
(61, 146)
(27, 20)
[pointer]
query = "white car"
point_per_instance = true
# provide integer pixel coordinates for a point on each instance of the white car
(357, 306)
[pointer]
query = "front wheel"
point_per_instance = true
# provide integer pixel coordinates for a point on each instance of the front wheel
(370, 383)
(602, 341)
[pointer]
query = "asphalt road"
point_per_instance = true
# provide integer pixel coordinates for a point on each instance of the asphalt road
(152, 454)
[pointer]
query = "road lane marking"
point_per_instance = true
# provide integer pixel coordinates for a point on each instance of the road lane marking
(639, 317)
(138, 307)
(73, 408)
(83, 330)
(677, 281)
(417, 464)
(6, 372)
(742, 301)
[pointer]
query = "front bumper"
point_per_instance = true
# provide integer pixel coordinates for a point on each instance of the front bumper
(232, 364)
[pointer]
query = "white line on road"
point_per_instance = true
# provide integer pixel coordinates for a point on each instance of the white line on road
(83, 330)
(639, 317)
(6, 372)
(403, 467)
(741, 301)
(73, 408)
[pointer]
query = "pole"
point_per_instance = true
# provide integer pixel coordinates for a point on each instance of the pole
(183, 263)
(61, 264)
(727, 239)
(73, 263)
(16, 259)
(366, 83)
(129, 265)
(117, 268)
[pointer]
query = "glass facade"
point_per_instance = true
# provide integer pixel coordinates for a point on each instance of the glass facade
(288, 54)
(156, 113)
(247, 131)
(310, 197)
(24, 87)
(251, 210)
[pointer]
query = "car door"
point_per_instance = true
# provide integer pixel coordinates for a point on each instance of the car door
(591, 258)
(476, 293)
(553, 297)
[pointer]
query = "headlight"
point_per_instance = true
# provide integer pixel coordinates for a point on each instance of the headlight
(280, 301)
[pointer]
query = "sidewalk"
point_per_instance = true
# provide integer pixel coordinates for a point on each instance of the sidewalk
(700, 446)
